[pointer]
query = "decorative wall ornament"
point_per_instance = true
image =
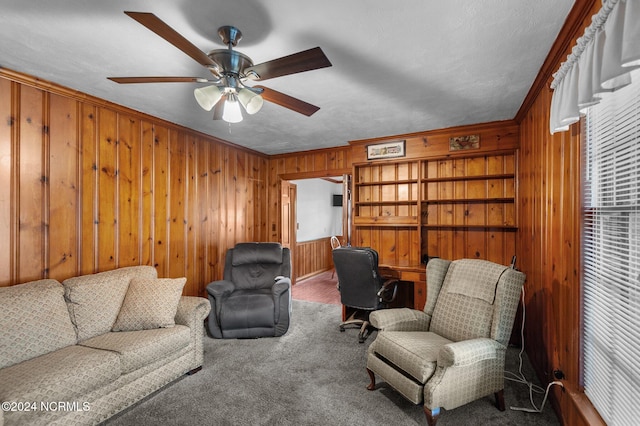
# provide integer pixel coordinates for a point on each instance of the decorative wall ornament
(386, 150)
(459, 143)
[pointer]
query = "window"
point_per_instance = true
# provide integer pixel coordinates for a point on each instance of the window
(611, 255)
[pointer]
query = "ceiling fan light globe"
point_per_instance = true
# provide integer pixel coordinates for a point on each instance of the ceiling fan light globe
(232, 112)
(251, 101)
(208, 96)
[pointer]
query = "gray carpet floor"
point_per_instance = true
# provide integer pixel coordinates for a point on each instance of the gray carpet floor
(313, 375)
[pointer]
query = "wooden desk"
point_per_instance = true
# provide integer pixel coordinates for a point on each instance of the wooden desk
(417, 274)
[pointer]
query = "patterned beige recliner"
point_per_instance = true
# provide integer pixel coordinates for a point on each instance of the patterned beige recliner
(452, 352)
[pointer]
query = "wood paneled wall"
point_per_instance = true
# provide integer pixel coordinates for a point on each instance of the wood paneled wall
(549, 235)
(312, 257)
(301, 165)
(87, 186)
(494, 136)
(428, 156)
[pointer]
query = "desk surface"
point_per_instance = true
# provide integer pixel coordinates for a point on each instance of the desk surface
(409, 267)
(415, 273)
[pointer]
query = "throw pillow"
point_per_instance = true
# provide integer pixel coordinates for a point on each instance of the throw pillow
(94, 300)
(149, 304)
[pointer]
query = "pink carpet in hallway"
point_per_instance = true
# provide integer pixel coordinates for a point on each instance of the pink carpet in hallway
(321, 288)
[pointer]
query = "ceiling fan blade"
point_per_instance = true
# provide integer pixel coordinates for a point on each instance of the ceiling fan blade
(218, 110)
(287, 101)
(129, 80)
(159, 27)
(298, 62)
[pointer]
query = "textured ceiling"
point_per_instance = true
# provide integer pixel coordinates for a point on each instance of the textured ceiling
(398, 67)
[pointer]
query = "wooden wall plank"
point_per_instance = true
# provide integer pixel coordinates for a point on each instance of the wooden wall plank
(161, 200)
(108, 189)
(129, 175)
(229, 195)
(63, 178)
(31, 187)
(239, 177)
(204, 226)
(215, 213)
(178, 204)
(191, 219)
(146, 197)
(7, 170)
(88, 212)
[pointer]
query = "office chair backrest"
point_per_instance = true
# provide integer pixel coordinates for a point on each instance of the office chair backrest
(358, 276)
(255, 265)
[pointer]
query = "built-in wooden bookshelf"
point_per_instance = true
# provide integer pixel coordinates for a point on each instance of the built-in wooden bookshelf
(436, 203)
(386, 194)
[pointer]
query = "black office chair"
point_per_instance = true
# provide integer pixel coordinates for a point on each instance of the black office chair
(362, 289)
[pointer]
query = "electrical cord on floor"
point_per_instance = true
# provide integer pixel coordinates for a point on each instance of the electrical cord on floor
(544, 400)
(520, 378)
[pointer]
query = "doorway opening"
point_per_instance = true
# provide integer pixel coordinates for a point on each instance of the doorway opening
(313, 210)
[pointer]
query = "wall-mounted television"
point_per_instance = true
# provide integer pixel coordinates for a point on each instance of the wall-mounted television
(337, 200)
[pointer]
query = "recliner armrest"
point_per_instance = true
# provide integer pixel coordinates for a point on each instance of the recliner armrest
(400, 319)
(281, 285)
(279, 289)
(219, 289)
(468, 352)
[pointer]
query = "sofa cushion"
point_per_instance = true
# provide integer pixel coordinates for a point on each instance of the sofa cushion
(34, 321)
(248, 309)
(94, 300)
(414, 352)
(139, 348)
(149, 304)
(67, 374)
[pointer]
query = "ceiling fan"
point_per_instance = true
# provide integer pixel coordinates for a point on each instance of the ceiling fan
(230, 70)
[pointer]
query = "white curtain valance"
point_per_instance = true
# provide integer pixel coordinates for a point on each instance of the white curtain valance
(600, 62)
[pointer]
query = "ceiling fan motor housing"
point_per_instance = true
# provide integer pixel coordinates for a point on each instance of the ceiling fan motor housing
(230, 61)
(230, 35)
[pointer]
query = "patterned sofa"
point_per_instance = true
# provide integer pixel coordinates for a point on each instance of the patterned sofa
(81, 351)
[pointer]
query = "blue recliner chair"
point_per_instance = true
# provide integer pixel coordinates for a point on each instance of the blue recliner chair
(254, 298)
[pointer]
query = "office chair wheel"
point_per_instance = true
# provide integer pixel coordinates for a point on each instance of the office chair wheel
(365, 331)
(341, 329)
(362, 336)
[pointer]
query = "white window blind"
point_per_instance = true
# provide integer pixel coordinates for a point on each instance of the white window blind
(611, 256)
